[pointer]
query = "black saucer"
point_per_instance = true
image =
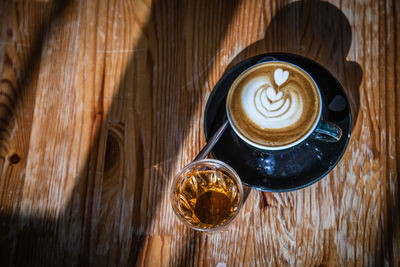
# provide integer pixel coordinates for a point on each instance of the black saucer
(294, 168)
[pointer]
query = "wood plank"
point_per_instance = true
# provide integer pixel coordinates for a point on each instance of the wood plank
(21, 42)
(101, 103)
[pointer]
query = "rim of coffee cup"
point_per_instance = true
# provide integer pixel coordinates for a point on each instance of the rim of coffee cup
(276, 148)
(237, 179)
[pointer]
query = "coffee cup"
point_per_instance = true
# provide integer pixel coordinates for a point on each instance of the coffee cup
(276, 105)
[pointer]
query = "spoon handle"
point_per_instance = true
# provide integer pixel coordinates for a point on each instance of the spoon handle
(213, 140)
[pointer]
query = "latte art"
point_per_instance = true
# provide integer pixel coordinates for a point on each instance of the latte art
(273, 104)
(268, 108)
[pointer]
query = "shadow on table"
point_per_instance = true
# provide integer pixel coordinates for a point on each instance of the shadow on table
(80, 236)
(157, 96)
(320, 31)
(316, 30)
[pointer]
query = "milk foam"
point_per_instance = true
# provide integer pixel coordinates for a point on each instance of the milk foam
(269, 107)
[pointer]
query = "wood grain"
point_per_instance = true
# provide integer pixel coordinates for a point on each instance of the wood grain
(101, 103)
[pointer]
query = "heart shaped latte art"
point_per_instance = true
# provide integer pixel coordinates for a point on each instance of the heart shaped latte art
(280, 76)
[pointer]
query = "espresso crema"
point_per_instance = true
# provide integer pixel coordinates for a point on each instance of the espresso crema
(274, 104)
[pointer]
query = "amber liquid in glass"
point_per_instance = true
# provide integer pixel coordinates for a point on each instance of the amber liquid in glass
(206, 198)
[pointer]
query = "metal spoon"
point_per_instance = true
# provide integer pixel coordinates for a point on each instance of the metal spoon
(213, 140)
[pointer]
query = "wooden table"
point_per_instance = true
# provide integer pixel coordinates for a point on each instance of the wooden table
(102, 103)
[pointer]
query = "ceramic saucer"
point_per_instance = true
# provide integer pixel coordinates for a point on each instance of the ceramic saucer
(293, 168)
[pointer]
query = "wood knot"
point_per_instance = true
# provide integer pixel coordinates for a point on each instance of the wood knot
(115, 142)
(112, 152)
(14, 158)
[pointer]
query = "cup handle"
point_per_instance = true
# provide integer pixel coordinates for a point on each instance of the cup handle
(327, 132)
(267, 58)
